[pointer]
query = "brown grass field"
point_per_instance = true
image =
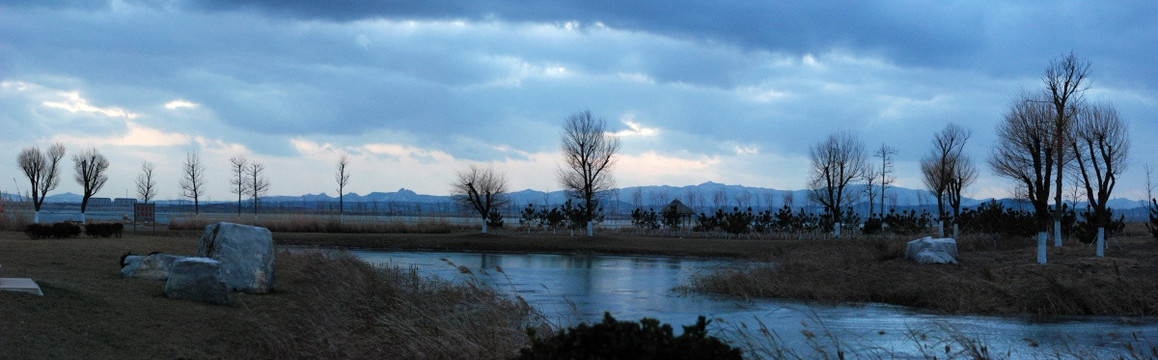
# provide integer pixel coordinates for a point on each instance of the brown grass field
(330, 306)
(321, 306)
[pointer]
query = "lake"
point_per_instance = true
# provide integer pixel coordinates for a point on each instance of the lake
(569, 289)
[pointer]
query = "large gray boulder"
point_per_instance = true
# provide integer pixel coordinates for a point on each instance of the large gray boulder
(153, 267)
(928, 250)
(197, 279)
(245, 253)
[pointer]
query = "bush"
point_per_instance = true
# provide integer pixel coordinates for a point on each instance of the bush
(58, 231)
(494, 219)
(994, 218)
(104, 229)
(907, 222)
(873, 225)
(613, 339)
(644, 220)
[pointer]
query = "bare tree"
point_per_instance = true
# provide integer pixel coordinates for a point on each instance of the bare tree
(239, 180)
(941, 169)
(743, 198)
(659, 198)
(1149, 184)
(963, 173)
(885, 152)
(589, 153)
(691, 196)
(1025, 153)
(258, 184)
(342, 176)
(90, 168)
(1100, 145)
(482, 189)
(41, 170)
(193, 180)
(720, 197)
(836, 161)
(1064, 81)
(870, 178)
(637, 198)
(146, 185)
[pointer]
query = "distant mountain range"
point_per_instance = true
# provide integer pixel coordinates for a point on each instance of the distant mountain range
(702, 197)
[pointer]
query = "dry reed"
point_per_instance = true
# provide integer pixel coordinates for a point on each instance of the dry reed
(351, 309)
(15, 215)
(987, 281)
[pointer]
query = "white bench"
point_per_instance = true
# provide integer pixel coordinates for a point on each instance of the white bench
(20, 284)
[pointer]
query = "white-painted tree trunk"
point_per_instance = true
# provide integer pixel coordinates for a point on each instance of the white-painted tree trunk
(941, 228)
(82, 219)
(836, 230)
(1041, 247)
(590, 229)
(956, 230)
(484, 226)
(36, 217)
(1101, 242)
(1057, 234)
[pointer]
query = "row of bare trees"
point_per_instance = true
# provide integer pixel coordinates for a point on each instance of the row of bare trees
(589, 156)
(1039, 139)
(1048, 134)
(41, 168)
(247, 180)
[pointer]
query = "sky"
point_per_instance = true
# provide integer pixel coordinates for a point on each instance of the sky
(733, 92)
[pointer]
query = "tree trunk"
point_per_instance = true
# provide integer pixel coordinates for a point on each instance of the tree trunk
(1041, 248)
(1101, 241)
(590, 229)
(1057, 237)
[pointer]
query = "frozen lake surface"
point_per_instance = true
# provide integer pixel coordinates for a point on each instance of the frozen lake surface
(579, 288)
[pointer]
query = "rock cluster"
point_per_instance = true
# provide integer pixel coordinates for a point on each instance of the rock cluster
(230, 257)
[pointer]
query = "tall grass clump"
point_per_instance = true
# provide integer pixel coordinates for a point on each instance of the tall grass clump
(348, 308)
(15, 215)
(875, 271)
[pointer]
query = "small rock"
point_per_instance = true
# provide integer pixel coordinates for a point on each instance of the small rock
(928, 250)
(154, 267)
(197, 279)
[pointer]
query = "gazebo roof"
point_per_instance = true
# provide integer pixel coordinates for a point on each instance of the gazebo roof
(679, 207)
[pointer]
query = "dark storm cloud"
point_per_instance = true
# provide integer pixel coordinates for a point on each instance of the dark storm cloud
(487, 81)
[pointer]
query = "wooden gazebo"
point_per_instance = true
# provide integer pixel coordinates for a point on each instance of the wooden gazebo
(686, 214)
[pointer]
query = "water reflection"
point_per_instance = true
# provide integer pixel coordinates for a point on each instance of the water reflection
(569, 288)
(574, 288)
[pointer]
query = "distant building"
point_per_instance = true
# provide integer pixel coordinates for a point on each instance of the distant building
(100, 202)
(123, 202)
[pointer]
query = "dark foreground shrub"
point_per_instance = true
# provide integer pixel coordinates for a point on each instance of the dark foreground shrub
(57, 230)
(104, 229)
(1086, 229)
(647, 339)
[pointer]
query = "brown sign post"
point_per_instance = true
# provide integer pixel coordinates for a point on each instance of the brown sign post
(145, 213)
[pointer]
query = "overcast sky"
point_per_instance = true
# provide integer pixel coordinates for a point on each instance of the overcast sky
(733, 92)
